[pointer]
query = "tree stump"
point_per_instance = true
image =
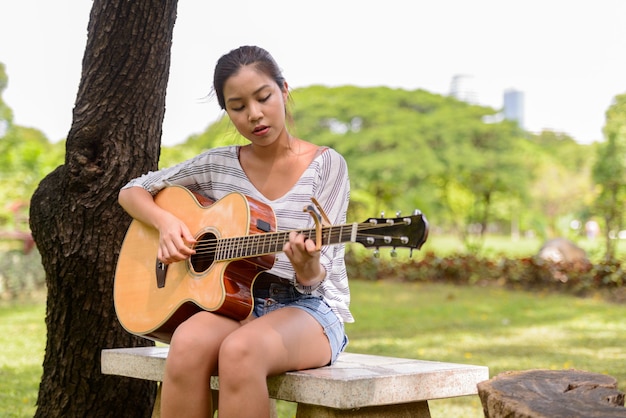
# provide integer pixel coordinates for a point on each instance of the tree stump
(551, 394)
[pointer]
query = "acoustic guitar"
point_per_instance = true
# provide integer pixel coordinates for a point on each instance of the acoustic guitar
(236, 241)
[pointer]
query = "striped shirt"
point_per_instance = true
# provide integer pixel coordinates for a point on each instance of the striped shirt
(217, 172)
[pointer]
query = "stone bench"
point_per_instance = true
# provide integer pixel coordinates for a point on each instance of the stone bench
(356, 385)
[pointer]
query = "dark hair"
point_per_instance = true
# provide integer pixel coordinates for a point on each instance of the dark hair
(229, 64)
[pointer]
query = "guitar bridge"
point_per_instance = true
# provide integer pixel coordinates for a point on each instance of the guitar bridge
(161, 272)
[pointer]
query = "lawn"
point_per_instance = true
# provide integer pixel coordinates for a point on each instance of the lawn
(501, 329)
(23, 340)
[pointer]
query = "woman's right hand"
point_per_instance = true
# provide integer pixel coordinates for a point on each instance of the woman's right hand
(175, 239)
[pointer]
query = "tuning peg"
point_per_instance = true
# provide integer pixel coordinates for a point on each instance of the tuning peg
(382, 213)
(394, 253)
(376, 253)
(417, 212)
(398, 213)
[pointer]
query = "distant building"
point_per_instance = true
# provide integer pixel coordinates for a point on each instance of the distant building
(462, 88)
(514, 106)
(465, 88)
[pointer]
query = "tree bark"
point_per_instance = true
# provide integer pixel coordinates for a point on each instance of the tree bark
(75, 219)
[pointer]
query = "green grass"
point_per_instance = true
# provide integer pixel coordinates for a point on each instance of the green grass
(497, 328)
(22, 342)
(501, 329)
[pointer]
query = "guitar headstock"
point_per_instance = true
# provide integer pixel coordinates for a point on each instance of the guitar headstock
(400, 232)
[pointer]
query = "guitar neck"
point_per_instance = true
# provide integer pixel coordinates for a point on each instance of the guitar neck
(408, 232)
(272, 242)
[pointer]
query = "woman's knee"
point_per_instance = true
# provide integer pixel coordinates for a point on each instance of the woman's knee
(235, 346)
(241, 351)
(194, 347)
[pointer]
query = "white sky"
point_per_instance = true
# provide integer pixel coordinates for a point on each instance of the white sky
(568, 57)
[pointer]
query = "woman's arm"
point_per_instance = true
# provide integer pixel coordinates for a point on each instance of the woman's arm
(174, 236)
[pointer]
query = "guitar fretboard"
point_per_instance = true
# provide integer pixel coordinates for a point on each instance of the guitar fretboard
(270, 243)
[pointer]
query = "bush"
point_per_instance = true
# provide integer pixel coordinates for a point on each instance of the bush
(526, 273)
(21, 274)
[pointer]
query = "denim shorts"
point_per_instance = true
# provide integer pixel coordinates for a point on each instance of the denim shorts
(271, 296)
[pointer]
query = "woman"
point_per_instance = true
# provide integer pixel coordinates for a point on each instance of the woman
(302, 303)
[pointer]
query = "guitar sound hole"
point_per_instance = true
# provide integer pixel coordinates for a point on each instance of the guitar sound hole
(205, 253)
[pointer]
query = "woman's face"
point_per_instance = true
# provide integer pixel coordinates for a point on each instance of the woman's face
(256, 105)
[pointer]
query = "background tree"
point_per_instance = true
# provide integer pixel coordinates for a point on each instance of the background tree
(75, 218)
(490, 165)
(609, 173)
(562, 187)
(6, 115)
(382, 133)
(26, 157)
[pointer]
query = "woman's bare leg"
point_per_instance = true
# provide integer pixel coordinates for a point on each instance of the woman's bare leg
(191, 361)
(283, 340)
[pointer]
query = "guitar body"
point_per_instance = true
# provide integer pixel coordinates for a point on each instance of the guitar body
(151, 300)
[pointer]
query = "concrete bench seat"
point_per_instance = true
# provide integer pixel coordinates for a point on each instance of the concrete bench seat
(356, 385)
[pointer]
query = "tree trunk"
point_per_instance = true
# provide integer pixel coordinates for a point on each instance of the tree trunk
(75, 219)
(551, 394)
(484, 216)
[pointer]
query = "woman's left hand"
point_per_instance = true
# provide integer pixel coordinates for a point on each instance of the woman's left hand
(305, 259)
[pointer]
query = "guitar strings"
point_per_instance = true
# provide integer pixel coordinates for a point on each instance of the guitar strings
(275, 237)
(281, 237)
(272, 242)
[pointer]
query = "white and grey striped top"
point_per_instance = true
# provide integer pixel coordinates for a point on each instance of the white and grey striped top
(217, 172)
